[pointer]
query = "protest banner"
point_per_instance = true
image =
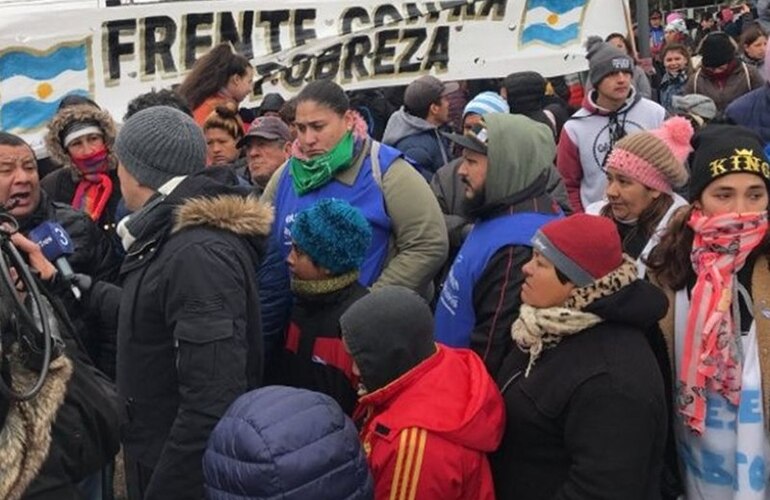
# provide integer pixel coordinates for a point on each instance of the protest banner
(112, 54)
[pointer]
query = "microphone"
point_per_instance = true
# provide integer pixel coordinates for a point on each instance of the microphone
(56, 245)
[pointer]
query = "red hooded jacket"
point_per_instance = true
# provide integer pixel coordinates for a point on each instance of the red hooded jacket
(426, 434)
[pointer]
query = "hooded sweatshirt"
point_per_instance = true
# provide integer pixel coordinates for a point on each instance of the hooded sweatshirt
(443, 412)
(419, 140)
(480, 296)
(519, 150)
(586, 141)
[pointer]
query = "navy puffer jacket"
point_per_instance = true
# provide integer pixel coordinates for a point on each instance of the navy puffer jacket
(752, 110)
(287, 443)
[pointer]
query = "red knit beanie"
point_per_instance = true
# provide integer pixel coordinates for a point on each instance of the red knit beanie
(583, 247)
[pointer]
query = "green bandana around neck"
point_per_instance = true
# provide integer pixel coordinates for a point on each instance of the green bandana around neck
(311, 174)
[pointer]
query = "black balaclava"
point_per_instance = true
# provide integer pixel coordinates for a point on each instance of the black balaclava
(388, 332)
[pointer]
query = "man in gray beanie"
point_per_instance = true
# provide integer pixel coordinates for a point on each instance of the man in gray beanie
(189, 329)
(611, 110)
(151, 153)
(416, 391)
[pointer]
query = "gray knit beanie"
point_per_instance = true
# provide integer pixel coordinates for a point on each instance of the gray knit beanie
(160, 143)
(604, 59)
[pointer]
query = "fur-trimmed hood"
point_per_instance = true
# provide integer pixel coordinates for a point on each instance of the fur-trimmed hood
(25, 438)
(244, 216)
(210, 198)
(79, 112)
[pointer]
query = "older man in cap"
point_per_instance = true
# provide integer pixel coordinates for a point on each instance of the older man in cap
(267, 146)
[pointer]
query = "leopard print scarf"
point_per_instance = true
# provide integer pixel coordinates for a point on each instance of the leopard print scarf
(537, 329)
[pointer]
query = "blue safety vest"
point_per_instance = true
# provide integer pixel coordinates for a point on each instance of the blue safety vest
(455, 315)
(365, 194)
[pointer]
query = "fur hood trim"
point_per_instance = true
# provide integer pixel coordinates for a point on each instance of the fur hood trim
(245, 216)
(26, 436)
(80, 112)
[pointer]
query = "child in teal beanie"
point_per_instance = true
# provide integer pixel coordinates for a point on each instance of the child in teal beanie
(329, 242)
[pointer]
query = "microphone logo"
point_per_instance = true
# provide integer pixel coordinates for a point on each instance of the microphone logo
(61, 236)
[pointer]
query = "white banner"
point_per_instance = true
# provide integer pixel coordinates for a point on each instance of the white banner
(113, 54)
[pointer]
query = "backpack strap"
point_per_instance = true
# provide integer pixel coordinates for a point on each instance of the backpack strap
(760, 290)
(374, 154)
(748, 75)
(695, 83)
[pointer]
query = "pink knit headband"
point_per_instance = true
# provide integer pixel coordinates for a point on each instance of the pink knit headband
(638, 169)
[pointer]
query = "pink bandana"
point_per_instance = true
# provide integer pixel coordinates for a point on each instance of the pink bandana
(711, 359)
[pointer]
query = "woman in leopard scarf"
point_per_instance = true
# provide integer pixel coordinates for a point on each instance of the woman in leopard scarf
(584, 393)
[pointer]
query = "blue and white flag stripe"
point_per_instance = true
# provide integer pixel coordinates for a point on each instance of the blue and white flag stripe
(556, 6)
(34, 82)
(28, 113)
(43, 66)
(56, 87)
(545, 34)
(552, 22)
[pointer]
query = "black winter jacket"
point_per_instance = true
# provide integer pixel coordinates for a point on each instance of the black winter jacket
(315, 357)
(590, 421)
(62, 183)
(85, 433)
(94, 255)
(189, 333)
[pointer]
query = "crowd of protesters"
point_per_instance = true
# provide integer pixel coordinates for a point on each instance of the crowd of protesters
(523, 288)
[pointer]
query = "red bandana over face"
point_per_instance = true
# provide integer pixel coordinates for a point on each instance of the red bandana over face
(95, 187)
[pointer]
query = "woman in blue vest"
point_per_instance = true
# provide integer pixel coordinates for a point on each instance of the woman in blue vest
(333, 157)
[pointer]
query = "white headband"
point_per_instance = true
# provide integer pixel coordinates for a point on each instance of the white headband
(91, 129)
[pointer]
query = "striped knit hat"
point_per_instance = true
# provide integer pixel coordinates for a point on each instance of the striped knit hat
(486, 102)
(655, 158)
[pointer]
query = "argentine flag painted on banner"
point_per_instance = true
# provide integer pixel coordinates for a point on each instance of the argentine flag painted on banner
(32, 83)
(552, 22)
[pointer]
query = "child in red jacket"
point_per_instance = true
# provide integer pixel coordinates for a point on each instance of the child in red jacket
(429, 414)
